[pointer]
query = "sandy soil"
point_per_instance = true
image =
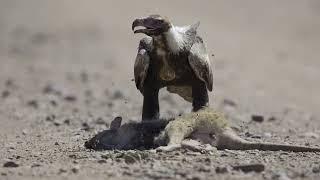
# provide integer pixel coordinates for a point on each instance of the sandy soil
(67, 67)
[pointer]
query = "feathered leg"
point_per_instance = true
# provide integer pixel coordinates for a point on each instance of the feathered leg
(150, 110)
(200, 96)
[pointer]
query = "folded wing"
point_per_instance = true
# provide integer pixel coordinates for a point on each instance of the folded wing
(142, 62)
(200, 63)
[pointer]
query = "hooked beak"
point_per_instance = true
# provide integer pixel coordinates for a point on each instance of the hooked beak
(146, 28)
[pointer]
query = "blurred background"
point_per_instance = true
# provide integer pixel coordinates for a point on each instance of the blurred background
(66, 71)
(266, 53)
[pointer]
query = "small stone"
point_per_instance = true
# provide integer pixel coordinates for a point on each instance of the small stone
(33, 103)
(118, 95)
(316, 169)
(35, 165)
(256, 137)
(10, 164)
(70, 98)
(56, 143)
(61, 170)
(222, 170)
(229, 102)
(257, 118)
(102, 161)
(75, 169)
(53, 103)
(73, 156)
(86, 127)
(248, 134)
(18, 157)
(50, 89)
(250, 168)
(100, 120)
(24, 132)
(131, 158)
(66, 121)
(51, 117)
(3, 174)
(56, 123)
(272, 118)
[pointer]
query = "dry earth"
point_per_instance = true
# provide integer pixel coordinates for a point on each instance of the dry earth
(66, 70)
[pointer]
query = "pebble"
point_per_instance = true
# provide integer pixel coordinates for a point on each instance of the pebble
(316, 169)
(75, 169)
(50, 89)
(24, 132)
(86, 126)
(70, 98)
(131, 158)
(221, 170)
(118, 95)
(272, 118)
(100, 120)
(229, 102)
(57, 123)
(10, 164)
(257, 118)
(102, 161)
(250, 168)
(66, 121)
(35, 165)
(53, 103)
(33, 103)
(61, 170)
(51, 117)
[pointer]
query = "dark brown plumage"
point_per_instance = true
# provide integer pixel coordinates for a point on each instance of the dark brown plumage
(172, 57)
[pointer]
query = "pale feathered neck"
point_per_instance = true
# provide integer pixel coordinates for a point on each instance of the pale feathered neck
(181, 38)
(177, 38)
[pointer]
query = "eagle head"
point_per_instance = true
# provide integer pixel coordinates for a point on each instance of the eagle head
(152, 25)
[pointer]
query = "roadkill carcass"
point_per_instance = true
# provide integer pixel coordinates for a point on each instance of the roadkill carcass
(205, 126)
(132, 135)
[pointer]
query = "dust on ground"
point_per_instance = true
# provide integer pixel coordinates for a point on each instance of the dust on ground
(67, 67)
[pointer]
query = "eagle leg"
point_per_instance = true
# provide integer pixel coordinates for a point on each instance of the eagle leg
(200, 96)
(150, 110)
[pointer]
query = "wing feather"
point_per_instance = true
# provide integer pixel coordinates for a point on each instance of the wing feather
(200, 62)
(142, 62)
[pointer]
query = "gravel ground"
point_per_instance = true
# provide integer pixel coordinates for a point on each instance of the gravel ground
(66, 72)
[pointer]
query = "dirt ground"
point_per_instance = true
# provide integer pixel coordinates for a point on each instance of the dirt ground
(66, 70)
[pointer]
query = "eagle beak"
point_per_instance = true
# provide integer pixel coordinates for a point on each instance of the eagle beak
(145, 26)
(136, 23)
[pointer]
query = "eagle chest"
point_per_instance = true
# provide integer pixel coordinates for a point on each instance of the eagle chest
(171, 67)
